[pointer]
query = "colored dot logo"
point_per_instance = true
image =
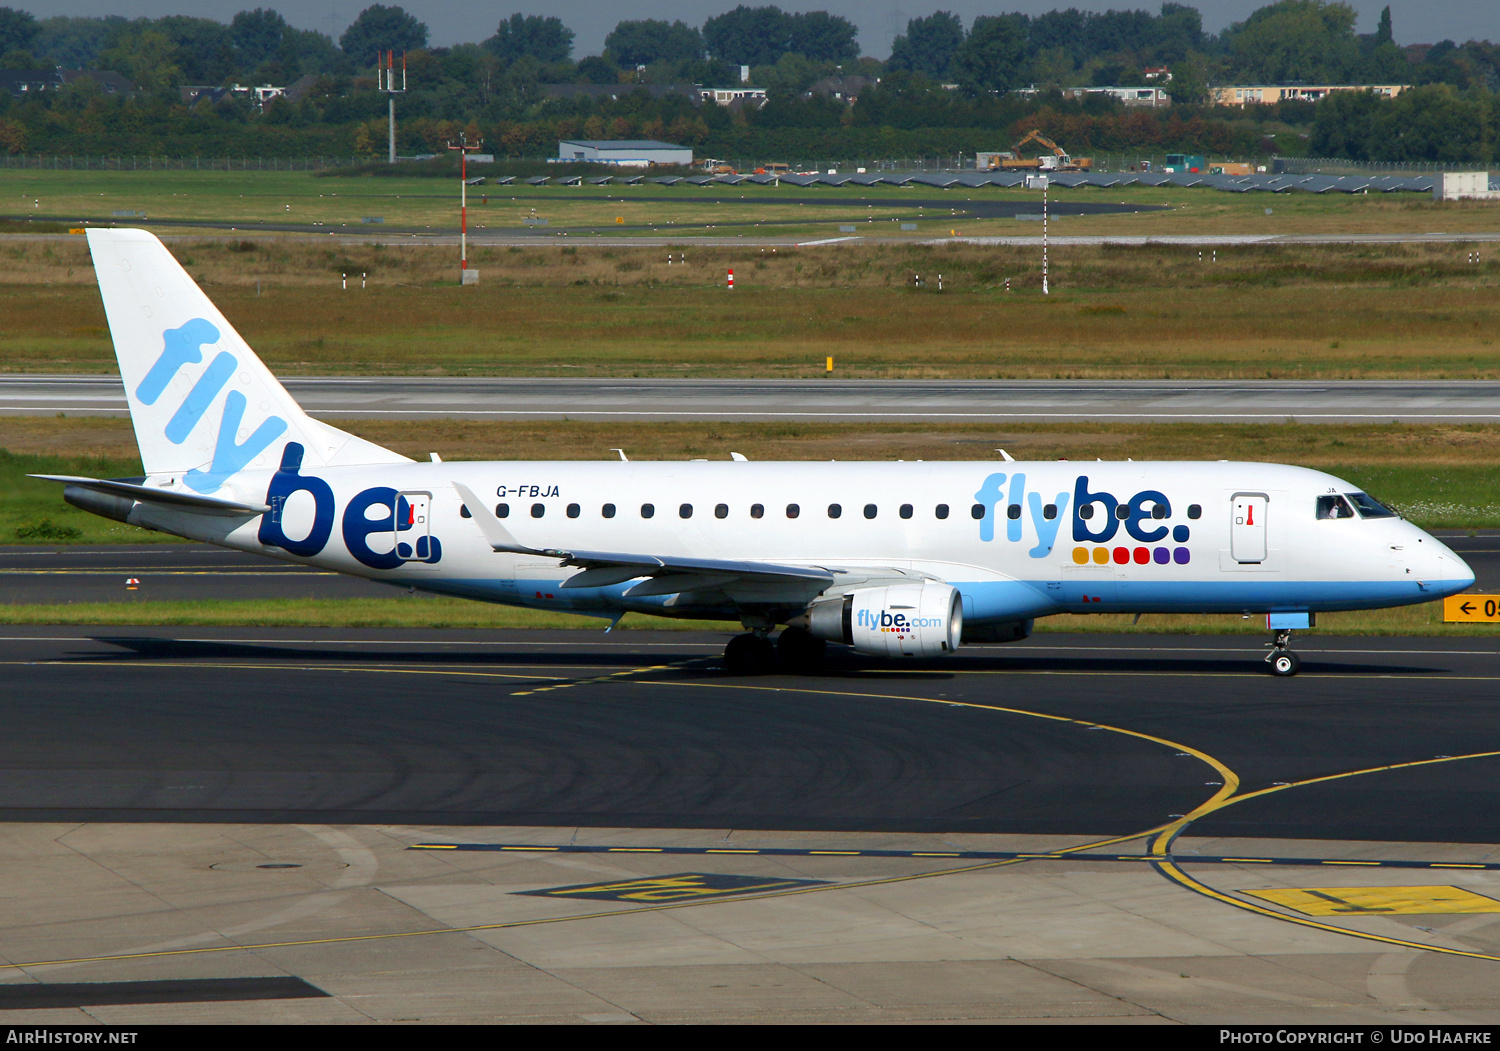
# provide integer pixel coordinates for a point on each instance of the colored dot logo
(1141, 556)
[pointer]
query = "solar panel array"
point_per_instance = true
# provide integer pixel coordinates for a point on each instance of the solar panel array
(1064, 180)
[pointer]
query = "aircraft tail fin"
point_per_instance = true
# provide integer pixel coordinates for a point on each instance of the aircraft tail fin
(203, 404)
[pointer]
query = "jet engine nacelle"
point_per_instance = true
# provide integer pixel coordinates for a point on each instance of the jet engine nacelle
(920, 619)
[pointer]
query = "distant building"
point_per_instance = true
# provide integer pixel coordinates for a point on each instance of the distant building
(845, 89)
(1243, 95)
(1150, 98)
(1161, 73)
(751, 97)
(27, 83)
(1453, 186)
(192, 94)
(110, 82)
(628, 153)
(302, 87)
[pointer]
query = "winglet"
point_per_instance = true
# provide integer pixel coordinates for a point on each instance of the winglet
(497, 536)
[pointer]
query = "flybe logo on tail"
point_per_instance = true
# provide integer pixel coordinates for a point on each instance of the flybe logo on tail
(184, 346)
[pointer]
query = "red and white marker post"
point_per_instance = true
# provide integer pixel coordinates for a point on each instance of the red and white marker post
(731, 280)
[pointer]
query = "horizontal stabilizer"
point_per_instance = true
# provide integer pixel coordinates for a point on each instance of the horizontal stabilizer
(164, 497)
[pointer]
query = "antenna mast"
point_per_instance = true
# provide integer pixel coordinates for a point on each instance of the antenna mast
(385, 79)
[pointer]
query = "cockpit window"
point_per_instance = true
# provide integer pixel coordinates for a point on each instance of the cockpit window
(1369, 507)
(1333, 507)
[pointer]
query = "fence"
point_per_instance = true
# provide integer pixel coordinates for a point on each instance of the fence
(1335, 166)
(87, 162)
(936, 162)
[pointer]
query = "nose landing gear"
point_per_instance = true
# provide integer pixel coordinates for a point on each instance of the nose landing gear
(1282, 660)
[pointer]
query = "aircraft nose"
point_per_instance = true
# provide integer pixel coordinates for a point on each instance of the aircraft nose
(1457, 572)
(1452, 572)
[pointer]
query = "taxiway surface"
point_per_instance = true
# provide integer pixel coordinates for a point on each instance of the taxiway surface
(264, 824)
(641, 729)
(1043, 401)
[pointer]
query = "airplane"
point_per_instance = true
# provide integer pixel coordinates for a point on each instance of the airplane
(894, 559)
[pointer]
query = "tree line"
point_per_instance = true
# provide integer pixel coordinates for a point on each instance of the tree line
(945, 87)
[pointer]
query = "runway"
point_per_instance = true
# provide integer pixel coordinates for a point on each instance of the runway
(317, 825)
(992, 401)
(34, 574)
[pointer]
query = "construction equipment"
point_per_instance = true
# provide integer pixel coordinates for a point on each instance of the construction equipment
(1058, 161)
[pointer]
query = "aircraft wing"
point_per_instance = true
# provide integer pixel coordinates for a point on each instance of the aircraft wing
(166, 497)
(603, 568)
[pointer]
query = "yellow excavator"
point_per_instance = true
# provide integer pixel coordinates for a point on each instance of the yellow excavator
(1058, 161)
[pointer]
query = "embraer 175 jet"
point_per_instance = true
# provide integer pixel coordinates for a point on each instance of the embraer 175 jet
(892, 559)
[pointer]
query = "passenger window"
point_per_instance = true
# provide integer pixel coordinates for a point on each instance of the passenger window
(647, 510)
(1122, 511)
(463, 511)
(1330, 507)
(792, 510)
(1086, 512)
(721, 510)
(906, 510)
(1013, 511)
(502, 510)
(685, 511)
(537, 510)
(574, 510)
(757, 510)
(834, 510)
(941, 510)
(977, 511)
(1158, 511)
(1049, 512)
(608, 510)
(871, 510)
(1195, 511)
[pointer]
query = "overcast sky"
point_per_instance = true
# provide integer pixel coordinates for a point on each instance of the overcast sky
(457, 21)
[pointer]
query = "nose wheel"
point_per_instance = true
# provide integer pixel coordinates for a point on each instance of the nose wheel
(1283, 661)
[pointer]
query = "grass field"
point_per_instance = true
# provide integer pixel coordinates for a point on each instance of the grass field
(1304, 311)
(1439, 476)
(340, 202)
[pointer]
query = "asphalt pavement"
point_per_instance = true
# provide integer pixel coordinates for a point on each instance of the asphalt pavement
(500, 398)
(642, 729)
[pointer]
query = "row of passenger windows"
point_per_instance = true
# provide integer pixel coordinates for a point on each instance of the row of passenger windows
(1122, 511)
(795, 511)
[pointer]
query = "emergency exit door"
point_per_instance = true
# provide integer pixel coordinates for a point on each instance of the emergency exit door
(413, 525)
(1247, 527)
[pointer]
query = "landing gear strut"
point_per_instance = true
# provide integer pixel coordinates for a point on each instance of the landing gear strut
(749, 654)
(1282, 660)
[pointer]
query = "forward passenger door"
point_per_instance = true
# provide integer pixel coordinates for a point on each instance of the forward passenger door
(1247, 527)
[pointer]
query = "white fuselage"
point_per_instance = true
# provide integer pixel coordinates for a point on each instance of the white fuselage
(1015, 542)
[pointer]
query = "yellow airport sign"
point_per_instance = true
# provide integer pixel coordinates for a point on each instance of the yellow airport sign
(1471, 609)
(1378, 901)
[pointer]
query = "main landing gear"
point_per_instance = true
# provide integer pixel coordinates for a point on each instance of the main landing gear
(753, 653)
(1282, 660)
